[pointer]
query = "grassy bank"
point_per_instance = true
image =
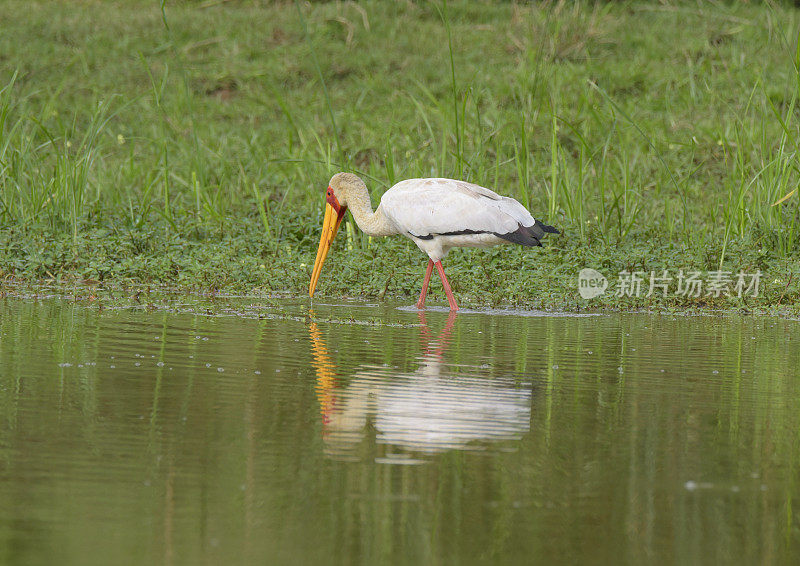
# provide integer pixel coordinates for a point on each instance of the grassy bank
(190, 146)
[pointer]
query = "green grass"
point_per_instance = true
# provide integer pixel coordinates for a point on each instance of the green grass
(189, 146)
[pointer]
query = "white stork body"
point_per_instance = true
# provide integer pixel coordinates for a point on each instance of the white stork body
(437, 214)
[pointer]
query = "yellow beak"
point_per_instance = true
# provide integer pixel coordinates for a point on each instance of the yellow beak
(329, 228)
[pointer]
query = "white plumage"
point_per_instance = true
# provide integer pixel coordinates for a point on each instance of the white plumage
(437, 214)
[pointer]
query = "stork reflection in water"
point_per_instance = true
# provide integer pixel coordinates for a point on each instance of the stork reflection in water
(429, 410)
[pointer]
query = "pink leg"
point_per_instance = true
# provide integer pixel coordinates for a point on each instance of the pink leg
(446, 285)
(425, 282)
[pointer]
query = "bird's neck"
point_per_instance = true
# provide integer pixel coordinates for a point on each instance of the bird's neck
(371, 223)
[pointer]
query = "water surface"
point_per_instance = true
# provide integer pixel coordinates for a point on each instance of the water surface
(246, 431)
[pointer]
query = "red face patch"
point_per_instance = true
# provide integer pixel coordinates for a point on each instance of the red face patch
(331, 200)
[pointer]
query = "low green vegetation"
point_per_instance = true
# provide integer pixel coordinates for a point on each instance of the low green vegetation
(189, 144)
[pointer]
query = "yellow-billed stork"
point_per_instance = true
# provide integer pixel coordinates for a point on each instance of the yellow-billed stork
(437, 214)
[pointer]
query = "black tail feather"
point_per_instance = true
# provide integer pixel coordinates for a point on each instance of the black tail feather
(548, 229)
(529, 235)
(522, 236)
